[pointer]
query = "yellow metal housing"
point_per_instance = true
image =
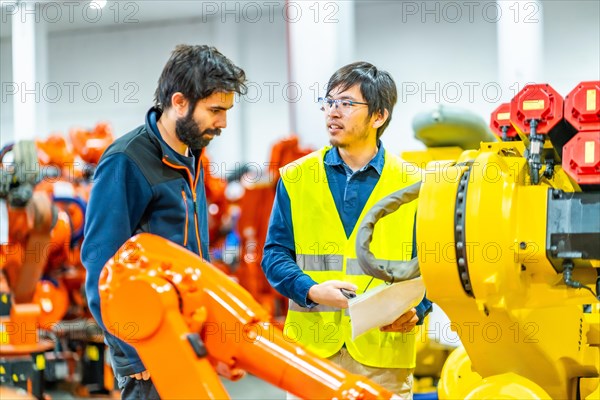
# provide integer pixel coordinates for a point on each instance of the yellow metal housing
(523, 329)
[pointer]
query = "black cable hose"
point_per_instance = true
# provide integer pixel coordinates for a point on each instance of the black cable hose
(386, 270)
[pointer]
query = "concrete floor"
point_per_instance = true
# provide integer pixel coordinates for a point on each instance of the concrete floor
(248, 388)
(251, 387)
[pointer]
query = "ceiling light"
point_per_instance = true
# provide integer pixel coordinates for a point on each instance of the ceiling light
(97, 4)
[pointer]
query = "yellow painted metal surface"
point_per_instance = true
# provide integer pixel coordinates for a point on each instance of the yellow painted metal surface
(524, 331)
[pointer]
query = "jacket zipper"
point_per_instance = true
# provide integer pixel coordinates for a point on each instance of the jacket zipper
(193, 187)
(185, 232)
(196, 222)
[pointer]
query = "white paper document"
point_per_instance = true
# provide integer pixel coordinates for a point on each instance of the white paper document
(384, 304)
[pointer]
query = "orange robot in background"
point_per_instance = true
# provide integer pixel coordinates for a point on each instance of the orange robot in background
(254, 212)
(46, 187)
(39, 236)
(239, 208)
(90, 145)
(68, 170)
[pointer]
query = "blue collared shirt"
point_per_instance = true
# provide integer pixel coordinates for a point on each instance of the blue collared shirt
(350, 191)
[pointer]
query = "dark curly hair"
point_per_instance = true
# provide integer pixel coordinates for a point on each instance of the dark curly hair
(197, 72)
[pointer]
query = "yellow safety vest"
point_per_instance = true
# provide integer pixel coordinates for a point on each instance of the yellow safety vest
(324, 252)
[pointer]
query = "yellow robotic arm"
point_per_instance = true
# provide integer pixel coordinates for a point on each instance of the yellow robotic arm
(508, 246)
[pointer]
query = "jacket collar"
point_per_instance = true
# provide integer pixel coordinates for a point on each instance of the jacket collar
(152, 117)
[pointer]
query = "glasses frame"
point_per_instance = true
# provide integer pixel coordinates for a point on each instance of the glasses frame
(330, 102)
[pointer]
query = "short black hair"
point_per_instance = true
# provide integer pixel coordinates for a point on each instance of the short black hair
(197, 72)
(376, 86)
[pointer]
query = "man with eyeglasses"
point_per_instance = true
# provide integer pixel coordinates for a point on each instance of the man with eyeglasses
(309, 254)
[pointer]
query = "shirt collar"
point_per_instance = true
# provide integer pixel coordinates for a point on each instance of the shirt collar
(333, 158)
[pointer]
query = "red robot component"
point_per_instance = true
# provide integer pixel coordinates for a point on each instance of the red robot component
(39, 234)
(69, 188)
(255, 210)
(40, 265)
(284, 152)
(500, 123)
(582, 107)
(581, 155)
(90, 145)
(34, 240)
(534, 112)
(54, 151)
(540, 103)
(581, 158)
(219, 208)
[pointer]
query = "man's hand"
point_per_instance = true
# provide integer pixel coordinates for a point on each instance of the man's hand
(328, 293)
(233, 374)
(144, 375)
(405, 323)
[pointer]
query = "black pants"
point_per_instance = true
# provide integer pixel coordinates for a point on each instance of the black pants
(133, 389)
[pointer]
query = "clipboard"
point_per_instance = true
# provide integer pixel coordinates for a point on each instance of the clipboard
(384, 304)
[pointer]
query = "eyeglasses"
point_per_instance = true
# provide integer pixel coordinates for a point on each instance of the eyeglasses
(326, 104)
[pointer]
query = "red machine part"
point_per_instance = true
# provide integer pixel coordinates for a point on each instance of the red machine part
(252, 212)
(90, 145)
(255, 206)
(540, 102)
(255, 210)
(284, 152)
(218, 205)
(54, 150)
(36, 248)
(581, 158)
(64, 262)
(500, 121)
(70, 184)
(33, 243)
(53, 299)
(582, 106)
(171, 305)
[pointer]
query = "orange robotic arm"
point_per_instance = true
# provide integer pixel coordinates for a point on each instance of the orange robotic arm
(184, 316)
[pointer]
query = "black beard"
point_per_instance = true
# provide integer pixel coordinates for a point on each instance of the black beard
(187, 131)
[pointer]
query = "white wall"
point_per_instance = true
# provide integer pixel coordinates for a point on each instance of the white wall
(124, 62)
(572, 43)
(432, 59)
(264, 110)
(432, 49)
(6, 106)
(436, 54)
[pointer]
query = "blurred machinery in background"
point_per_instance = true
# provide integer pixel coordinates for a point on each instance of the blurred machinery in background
(447, 132)
(45, 188)
(507, 242)
(222, 214)
(13, 393)
(37, 236)
(255, 210)
(239, 210)
(185, 309)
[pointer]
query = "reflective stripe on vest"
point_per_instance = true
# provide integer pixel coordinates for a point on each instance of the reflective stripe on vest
(321, 262)
(324, 253)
